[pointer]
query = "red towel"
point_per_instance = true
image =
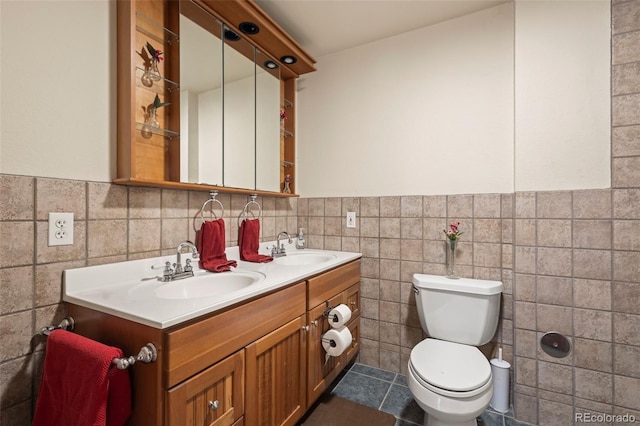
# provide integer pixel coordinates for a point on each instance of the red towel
(249, 242)
(80, 386)
(211, 246)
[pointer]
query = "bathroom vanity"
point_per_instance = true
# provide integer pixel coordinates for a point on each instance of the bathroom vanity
(250, 356)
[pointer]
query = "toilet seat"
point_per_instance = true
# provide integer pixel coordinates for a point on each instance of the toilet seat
(450, 369)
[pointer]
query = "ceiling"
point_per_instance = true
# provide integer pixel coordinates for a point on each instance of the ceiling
(323, 27)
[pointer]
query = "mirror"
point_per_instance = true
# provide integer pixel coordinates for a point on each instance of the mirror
(200, 101)
(239, 96)
(230, 107)
(267, 129)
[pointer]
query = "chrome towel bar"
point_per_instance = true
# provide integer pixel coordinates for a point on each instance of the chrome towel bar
(66, 324)
(148, 353)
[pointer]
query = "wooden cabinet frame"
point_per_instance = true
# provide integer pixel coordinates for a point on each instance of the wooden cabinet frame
(155, 161)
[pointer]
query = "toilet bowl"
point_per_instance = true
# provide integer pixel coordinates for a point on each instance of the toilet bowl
(451, 382)
(448, 376)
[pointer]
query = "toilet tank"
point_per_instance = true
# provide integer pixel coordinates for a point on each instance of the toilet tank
(460, 310)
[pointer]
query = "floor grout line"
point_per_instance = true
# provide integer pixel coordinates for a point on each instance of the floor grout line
(386, 394)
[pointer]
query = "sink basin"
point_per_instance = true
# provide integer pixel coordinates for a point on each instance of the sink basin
(303, 259)
(207, 284)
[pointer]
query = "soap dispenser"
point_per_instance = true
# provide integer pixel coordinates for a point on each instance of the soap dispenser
(300, 240)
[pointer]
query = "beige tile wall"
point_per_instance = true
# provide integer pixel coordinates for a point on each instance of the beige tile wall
(400, 236)
(570, 261)
(111, 224)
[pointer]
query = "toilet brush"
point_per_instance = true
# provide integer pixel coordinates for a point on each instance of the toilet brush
(500, 372)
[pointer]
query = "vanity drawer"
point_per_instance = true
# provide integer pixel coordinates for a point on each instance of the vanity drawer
(213, 397)
(328, 284)
(195, 347)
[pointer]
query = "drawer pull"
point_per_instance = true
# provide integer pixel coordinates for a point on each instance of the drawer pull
(214, 405)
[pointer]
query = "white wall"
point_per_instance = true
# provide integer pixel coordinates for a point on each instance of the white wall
(562, 95)
(57, 89)
(425, 112)
(395, 116)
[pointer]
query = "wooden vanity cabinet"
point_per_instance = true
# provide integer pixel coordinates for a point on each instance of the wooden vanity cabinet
(260, 362)
(340, 285)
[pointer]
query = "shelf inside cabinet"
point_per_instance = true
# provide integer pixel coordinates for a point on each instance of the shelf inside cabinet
(163, 83)
(166, 133)
(148, 26)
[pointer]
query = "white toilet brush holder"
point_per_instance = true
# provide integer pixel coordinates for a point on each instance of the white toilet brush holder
(500, 372)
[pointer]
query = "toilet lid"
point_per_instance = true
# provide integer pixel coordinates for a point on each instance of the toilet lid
(450, 366)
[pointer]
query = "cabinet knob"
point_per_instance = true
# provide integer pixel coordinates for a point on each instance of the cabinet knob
(315, 322)
(214, 405)
(305, 328)
(352, 303)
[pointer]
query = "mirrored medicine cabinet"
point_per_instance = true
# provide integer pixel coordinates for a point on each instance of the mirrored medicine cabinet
(203, 87)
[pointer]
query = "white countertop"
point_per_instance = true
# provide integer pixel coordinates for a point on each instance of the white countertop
(129, 289)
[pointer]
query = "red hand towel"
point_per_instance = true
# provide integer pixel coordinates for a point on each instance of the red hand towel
(211, 246)
(80, 386)
(249, 242)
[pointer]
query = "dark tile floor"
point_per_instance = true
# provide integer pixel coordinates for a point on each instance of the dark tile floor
(388, 392)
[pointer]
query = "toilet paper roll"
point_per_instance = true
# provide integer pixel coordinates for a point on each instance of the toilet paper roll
(339, 316)
(336, 341)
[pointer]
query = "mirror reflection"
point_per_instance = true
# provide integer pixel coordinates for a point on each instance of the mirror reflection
(200, 102)
(239, 97)
(230, 106)
(267, 124)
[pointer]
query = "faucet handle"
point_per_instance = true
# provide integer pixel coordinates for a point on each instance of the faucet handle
(167, 273)
(187, 265)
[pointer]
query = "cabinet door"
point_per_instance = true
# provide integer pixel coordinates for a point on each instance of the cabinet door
(211, 398)
(353, 300)
(320, 368)
(276, 376)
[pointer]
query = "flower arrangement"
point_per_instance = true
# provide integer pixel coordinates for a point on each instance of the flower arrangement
(157, 104)
(283, 114)
(453, 233)
(155, 54)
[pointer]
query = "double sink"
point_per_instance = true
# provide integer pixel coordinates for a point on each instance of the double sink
(131, 289)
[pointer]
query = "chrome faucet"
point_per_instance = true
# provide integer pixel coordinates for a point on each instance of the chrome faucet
(278, 250)
(178, 271)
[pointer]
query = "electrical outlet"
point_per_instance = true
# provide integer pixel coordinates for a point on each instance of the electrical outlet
(60, 229)
(351, 219)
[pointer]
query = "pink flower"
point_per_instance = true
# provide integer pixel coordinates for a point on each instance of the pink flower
(453, 233)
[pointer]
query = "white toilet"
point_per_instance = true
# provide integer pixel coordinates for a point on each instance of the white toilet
(449, 377)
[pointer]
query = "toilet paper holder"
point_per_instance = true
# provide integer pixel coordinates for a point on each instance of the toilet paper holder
(331, 342)
(555, 344)
(327, 309)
